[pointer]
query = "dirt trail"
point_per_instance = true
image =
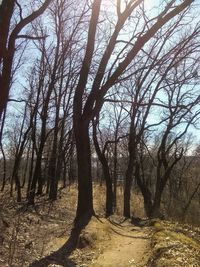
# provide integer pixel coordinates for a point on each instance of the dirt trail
(121, 245)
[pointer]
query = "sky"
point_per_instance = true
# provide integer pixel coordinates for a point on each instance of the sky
(149, 5)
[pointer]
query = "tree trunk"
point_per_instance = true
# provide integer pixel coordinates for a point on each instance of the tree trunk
(129, 171)
(15, 177)
(5, 80)
(146, 193)
(36, 178)
(109, 191)
(53, 189)
(106, 172)
(54, 154)
(31, 168)
(115, 173)
(85, 199)
(127, 188)
(4, 167)
(2, 151)
(6, 11)
(155, 212)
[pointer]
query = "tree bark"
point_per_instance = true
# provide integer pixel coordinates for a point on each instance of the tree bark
(85, 198)
(129, 171)
(7, 44)
(127, 188)
(146, 193)
(5, 81)
(106, 172)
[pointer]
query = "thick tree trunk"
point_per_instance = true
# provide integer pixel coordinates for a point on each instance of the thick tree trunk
(155, 212)
(81, 120)
(146, 193)
(6, 11)
(8, 37)
(5, 81)
(85, 198)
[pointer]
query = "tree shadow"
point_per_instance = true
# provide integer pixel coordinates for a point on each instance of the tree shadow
(61, 256)
(129, 236)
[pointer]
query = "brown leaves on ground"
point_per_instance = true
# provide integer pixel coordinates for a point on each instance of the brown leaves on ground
(27, 234)
(33, 233)
(175, 245)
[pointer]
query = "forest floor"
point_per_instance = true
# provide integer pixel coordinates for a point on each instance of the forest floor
(38, 236)
(114, 243)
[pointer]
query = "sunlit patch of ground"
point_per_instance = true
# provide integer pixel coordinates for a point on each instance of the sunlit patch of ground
(113, 243)
(175, 245)
(30, 234)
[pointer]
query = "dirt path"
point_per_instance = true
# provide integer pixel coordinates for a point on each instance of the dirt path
(121, 245)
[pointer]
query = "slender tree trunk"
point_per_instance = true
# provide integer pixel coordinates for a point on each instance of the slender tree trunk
(106, 172)
(109, 191)
(37, 176)
(18, 157)
(30, 193)
(127, 188)
(15, 176)
(54, 155)
(129, 171)
(64, 175)
(190, 201)
(115, 173)
(53, 178)
(52, 171)
(4, 167)
(26, 166)
(71, 169)
(31, 168)
(2, 150)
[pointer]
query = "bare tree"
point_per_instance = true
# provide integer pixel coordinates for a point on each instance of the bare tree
(107, 73)
(178, 115)
(9, 34)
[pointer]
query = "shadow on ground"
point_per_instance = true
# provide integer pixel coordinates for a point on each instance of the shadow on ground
(61, 256)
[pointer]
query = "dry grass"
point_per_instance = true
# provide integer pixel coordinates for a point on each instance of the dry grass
(175, 245)
(29, 234)
(137, 207)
